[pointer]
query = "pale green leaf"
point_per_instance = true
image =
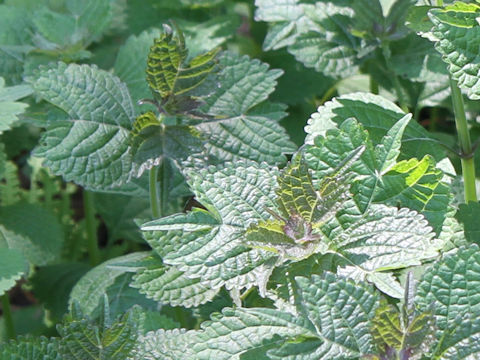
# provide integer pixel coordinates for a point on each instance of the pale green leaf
(377, 115)
(388, 150)
(457, 32)
(167, 285)
(12, 267)
(211, 246)
(32, 230)
(235, 331)
(341, 311)
(162, 344)
(9, 107)
(91, 147)
(243, 83)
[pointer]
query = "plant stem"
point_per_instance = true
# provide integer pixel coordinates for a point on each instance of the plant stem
(468, 166)
(92, 240)
(154, 203)
(7, 317)
(373, 86)
(163, 187)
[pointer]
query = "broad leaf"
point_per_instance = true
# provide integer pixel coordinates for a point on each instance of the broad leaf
(341, 311)
(9, 107)
(377, 115)
(154, 142)
(91, 147)
(112, 278)
(165, 345)
(235, 331)
(467, 215)
(450, 285)
(12, 267)
(457, 31)
(130, 64)
(41, 241)
(167, 285)
(244, 126)
(211, 245)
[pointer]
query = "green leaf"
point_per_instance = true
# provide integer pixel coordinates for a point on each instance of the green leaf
(72, 28)
(244, 125)
(154, 142)
(390, 333)
(40, 241)
(377, 115)
(165, 345)
(130, 64)
(12, 267)
(167, 285)
(9, 108)
(211, 245)
(112, 278)
(467, 215)
(168, 73)
(58, 279)
(456, 31)
(235, 331)
(82, 338)
(385, 238)
(30, 348)
(15, 38)
(341, 311)
(91, 147)
(450, 285)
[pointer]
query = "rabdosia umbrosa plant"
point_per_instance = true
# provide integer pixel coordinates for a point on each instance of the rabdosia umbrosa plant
(204, 232)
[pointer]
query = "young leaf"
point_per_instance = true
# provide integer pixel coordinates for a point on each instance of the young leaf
(12, 267)
(456, 31)
(244, 126)
(168, 74)
(91, 147)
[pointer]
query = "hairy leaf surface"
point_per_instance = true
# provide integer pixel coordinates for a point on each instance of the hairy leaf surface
(91, 147)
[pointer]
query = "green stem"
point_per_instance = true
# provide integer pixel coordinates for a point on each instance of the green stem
(7, 317)
(373, 86)
(163, 187)
(92, 240)
(468, 166)
(154, 203)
